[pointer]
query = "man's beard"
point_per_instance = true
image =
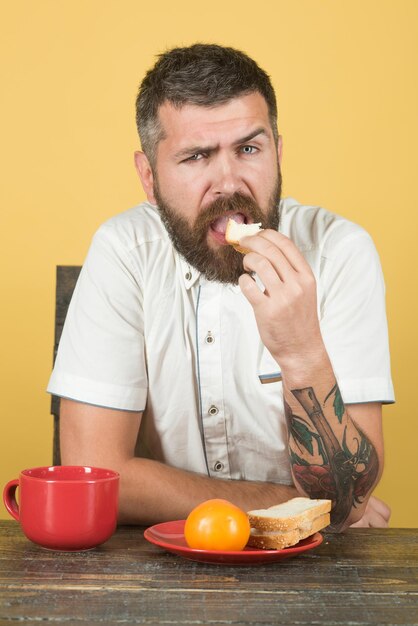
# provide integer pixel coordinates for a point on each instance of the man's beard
(223, 264)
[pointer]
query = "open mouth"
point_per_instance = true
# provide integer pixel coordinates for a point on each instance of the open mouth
(218, 226)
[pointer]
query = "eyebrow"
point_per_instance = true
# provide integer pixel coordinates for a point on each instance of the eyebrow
(208, 149)
(255, 133)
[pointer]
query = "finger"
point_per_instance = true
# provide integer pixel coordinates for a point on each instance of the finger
(372, 517)
(269, 273)
(265, 249)
(251, 291)
(289, 250)
(380, 507)
(362, 523)
(377, 521)
(371, 520)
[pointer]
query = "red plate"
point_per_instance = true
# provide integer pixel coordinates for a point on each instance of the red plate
(170, 536)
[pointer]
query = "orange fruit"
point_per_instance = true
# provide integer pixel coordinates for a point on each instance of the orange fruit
(217, 525)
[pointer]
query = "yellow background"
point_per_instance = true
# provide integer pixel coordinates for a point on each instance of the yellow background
(346, 78)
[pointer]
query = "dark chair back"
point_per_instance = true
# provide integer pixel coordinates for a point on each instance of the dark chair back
(66, 279)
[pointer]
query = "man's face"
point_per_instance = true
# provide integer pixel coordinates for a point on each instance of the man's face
(212, 164)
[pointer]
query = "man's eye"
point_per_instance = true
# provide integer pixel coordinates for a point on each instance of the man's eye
(249, 149)
(195, 157)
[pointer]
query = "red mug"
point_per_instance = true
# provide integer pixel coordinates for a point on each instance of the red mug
(65, 507)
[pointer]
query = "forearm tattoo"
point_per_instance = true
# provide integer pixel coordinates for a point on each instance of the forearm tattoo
(326, 461)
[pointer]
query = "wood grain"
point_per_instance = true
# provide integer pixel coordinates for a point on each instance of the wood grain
(360, 577)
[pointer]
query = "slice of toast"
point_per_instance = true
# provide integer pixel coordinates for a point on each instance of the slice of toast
(286, 524)
(294, 513)
(277, 540)
(234, 232)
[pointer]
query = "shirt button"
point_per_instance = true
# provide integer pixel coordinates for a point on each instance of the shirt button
(209, 338)
(213, 410)
(218, 467)
(188, 276)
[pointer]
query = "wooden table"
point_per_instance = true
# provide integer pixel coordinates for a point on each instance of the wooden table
(360, 577)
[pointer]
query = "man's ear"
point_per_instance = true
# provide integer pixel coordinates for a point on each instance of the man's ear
(280, 149)
(144, 170)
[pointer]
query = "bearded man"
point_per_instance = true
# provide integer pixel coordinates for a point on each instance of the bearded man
(199, 372)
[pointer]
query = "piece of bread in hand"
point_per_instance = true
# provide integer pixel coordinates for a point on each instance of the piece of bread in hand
(234, 232)
(286, 524)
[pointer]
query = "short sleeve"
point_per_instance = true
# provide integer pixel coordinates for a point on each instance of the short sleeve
(101, 358)
(353, 319)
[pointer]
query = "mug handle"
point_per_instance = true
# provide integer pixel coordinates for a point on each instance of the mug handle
(9, 498)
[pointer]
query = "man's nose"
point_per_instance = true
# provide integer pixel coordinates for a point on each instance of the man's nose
(226, 177)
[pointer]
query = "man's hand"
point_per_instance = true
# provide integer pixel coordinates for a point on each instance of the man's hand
(376, 515)
(286, 312)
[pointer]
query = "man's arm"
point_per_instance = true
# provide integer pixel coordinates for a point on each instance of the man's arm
(149, 491)
(334, 452)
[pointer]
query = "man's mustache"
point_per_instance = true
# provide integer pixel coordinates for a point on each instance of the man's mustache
(237, 203)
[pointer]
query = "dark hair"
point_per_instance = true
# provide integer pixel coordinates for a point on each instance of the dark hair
(203, 74)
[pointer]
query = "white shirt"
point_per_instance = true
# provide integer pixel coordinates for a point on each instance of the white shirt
(146, 332)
